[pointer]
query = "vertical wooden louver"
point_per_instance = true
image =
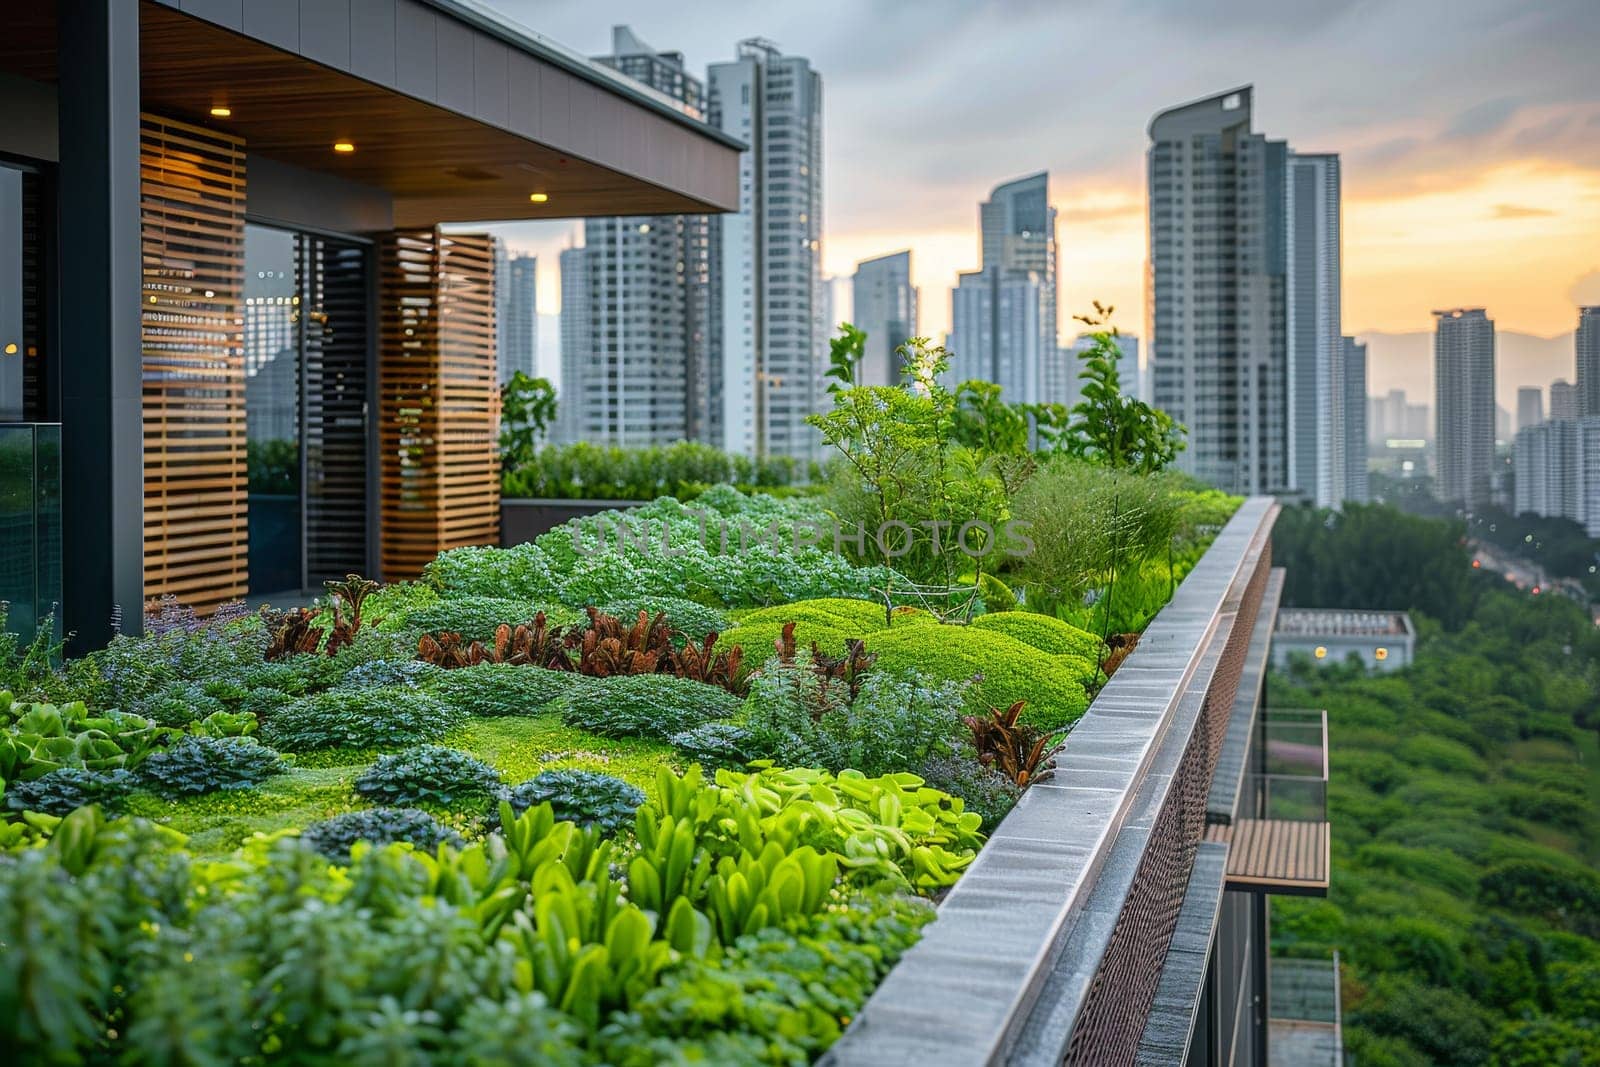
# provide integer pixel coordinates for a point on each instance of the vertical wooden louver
(439, 402)
(192, 189)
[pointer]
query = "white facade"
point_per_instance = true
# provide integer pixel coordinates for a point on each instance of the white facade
(766, 258)
(885, 306)
(642, 372)
(996, 331)
(1215, 330)
(1463, 382)
(1557, 469)
(1317, 416)
(516, 302)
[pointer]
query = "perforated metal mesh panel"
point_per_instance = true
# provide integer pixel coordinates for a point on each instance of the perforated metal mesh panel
(1114, 1012)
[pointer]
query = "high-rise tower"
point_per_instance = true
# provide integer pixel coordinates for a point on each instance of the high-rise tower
(1463, 369)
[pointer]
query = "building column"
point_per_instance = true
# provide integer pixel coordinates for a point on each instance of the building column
(100, 277)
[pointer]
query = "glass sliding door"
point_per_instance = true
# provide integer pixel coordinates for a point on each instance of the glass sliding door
(306, 372)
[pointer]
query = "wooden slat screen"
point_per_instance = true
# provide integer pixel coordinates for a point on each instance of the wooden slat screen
(192, 187)
(334, 284)
(439, 403)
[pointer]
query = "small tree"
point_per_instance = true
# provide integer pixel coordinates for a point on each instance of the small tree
(527, 408)
(1107, 425)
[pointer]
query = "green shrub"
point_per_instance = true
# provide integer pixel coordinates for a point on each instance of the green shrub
(476, 617)
(495, 689)
(1053, 686)
(429, 773)
(1044, 633)
(778, 996)
(892, 724)
(1447, 1026)
(839, 613)
(360, 718)
(587, 798)
(520, 1028)
(645, 705)
(70, 788)
(759, 638)
(407, 673)
(378, 826)
(198, 764)
(716, 744)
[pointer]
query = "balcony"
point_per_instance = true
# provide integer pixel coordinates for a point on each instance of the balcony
(1280, 842)
(1304, 1014)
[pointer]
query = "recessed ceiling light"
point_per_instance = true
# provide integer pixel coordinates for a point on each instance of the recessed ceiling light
(344, 146)
(221, 111)
(538, 198)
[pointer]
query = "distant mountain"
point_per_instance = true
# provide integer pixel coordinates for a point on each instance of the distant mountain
(1405, 361)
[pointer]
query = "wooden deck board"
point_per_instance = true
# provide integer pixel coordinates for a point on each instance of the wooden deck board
(1276, 855)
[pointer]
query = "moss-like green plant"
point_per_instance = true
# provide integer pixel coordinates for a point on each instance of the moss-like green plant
(1044, 633)
(1053, 686)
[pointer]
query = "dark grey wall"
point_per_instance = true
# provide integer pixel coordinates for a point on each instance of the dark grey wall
(286, 195)
(27, 118)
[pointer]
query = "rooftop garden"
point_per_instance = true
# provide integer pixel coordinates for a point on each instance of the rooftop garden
(677, 783)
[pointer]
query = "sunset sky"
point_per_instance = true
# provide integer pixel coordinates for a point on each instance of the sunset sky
(1469, 131)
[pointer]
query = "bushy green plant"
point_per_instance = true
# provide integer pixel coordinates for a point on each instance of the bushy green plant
(335, 836)
(691, 618)
(1044, 633)
(644, 705)
(426, 773)
(495, 689)
(777, 996)
(729, 550)
(1007, 669)
(587, 798)
(386, 717)
(1109, 426)
(65, 790)
(406, 673)
(888, 724)
(716, 744)
(200, 764)
(584, 471)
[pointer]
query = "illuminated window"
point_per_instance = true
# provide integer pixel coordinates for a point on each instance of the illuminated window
(1381, 654)
(1321, 652)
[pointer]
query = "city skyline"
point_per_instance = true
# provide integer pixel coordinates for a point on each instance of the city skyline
(1470, 183)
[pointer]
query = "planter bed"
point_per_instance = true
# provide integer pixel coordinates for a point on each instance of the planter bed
(679, 808)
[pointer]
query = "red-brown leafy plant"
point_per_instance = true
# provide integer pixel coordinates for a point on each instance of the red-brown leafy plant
(1017, 750)
(609, 647)
(1118, 647)
(701, 664)
(296, 631)
(536, 645)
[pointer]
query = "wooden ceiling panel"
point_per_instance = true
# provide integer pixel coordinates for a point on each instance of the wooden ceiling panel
(438, 165)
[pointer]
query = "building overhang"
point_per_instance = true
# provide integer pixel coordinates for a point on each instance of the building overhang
(456, 116)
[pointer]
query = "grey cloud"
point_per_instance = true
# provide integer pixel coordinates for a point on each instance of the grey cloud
(1480, 119)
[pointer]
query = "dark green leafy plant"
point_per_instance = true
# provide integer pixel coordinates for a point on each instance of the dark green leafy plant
(1109, 426)
(426, 773)
(496, 689)
(527, 410)
(717, 744)
(359, 718)
(201, 764)
(377, 826)
(587, 798)
(645, 705)
(63, 791)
